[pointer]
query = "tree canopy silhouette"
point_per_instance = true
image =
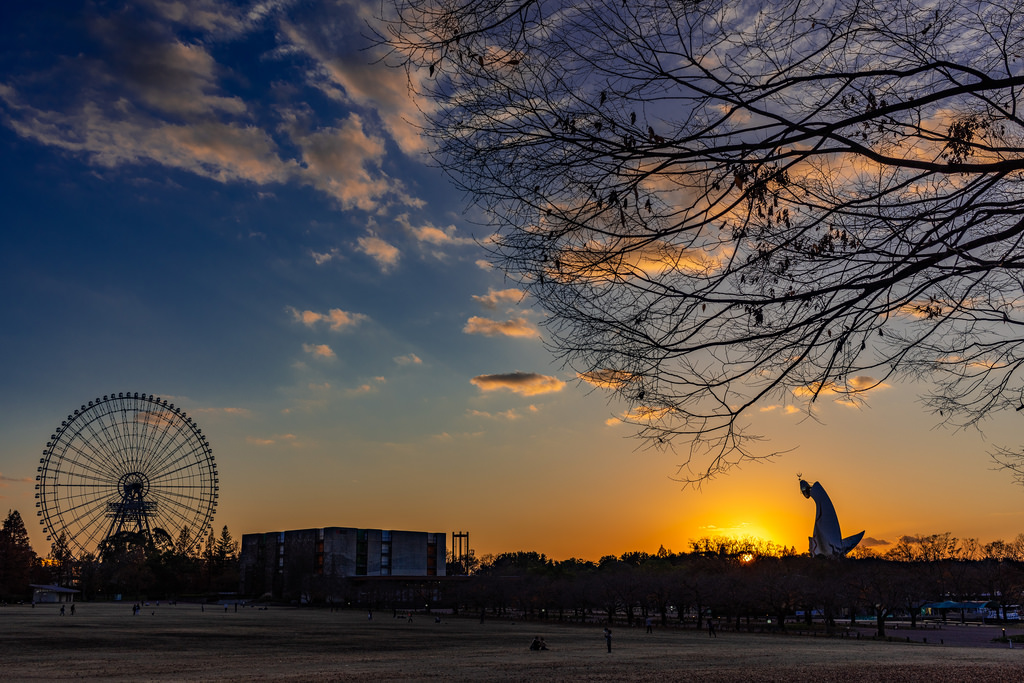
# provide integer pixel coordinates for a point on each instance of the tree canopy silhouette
(723, 204)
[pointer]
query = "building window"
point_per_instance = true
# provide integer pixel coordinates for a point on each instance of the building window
(431, 555)
(361, 552)
(385, 557)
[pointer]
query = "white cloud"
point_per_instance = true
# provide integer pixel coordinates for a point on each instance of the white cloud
(344, 162)
(430, 234)
(386, 255)
(335, 318)
(494, 297)
(319, 350)
(224, 152)
(352, 77)
(325, 257)
(517, 327)
(140, 94)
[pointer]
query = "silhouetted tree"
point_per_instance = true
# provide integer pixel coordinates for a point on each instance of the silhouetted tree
(62, 561)
(124, 564)
(16, 557)
(724, 203)
(458, 566)
(779, 588)
(880, 586)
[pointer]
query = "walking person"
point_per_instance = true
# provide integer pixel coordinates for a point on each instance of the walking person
(608, 638)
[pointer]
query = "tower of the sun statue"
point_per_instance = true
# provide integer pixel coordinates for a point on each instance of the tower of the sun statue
(827, 540)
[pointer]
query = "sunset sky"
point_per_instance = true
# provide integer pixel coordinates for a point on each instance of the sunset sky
(229, 206)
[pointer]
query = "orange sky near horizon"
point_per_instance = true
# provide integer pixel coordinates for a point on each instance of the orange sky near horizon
(886, 467)
(567, 492)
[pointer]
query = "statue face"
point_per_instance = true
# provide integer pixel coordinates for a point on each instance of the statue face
(805, 488)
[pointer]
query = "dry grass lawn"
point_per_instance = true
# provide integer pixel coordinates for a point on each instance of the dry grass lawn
(171, 643)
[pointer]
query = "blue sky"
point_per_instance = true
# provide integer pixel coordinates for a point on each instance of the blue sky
(228, 205)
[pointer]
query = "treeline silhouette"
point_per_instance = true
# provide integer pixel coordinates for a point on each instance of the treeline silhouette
(746, 583)
(133, 566)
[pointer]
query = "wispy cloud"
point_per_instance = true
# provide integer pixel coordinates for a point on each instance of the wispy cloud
(855, 385)
(271, 440)
(408, 359)
(509, 415)
(335, 318)
(211, 16)
(607, 378)
(343, 162)
(136, 93)
(517, 327)
(222, 151)
(320, 258)
(431, 235)
(367, 387)
(786, 409)
(386, 255)
(523, 383)
(348, 76)
(495, 297)
(319, 350)
(236, 412)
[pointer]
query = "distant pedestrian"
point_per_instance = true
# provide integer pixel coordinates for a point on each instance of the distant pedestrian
(650, 624)
(608, 638)
(711, 629)
(62, 610)
(369, 615)
(72, 609)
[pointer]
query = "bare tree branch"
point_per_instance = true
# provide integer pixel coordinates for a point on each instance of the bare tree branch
(723, 204)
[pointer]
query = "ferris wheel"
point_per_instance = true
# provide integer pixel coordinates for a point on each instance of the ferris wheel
(126, 463)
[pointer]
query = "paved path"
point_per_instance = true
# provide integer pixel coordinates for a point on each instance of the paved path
(950, 633)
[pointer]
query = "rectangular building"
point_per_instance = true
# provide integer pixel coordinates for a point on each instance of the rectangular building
(312, 564)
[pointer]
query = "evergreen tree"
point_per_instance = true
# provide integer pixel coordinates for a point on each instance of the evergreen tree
(16, 557)
(227, 548)
(183, 546)
(61, 561)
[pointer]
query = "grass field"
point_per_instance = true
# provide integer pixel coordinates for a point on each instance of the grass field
(104, 641)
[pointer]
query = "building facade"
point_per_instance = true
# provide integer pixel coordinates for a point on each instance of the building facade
(324, 564)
